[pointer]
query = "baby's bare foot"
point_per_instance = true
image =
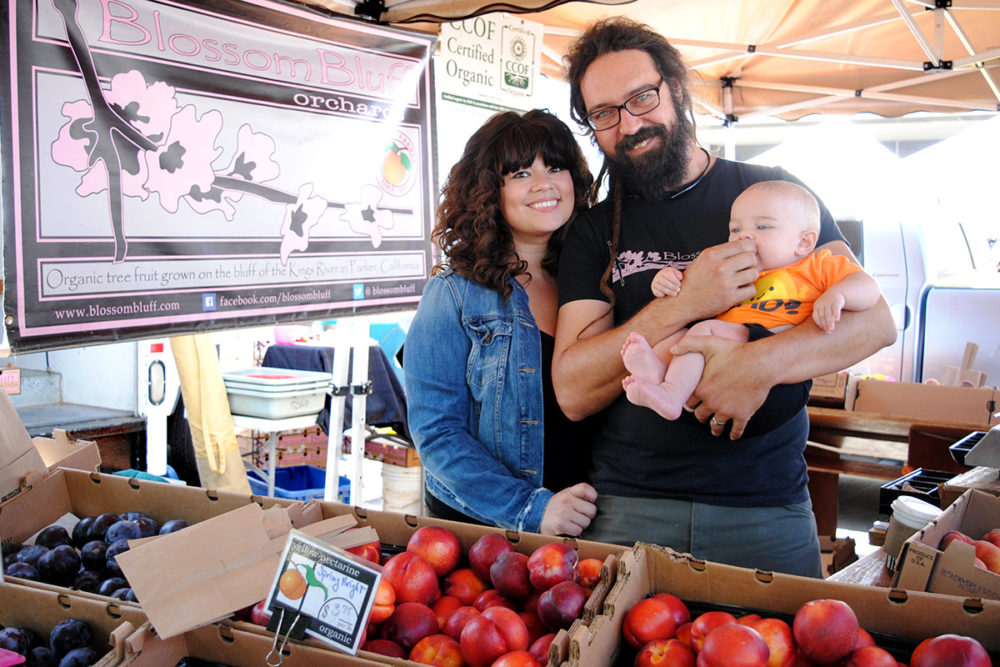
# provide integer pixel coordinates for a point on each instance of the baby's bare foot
(640, 360)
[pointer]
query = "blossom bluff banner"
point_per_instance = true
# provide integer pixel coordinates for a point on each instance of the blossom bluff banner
(182, 166)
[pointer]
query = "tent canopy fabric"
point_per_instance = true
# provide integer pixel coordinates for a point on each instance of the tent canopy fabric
(785, 58)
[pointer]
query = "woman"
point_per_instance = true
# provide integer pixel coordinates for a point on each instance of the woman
(494, 445)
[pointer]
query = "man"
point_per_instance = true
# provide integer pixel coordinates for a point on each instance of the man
(741, 499)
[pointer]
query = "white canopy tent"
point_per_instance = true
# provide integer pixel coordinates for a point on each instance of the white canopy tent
(785, 58)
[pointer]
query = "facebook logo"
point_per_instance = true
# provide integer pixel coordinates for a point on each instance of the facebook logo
(208, 301)
(359, 291)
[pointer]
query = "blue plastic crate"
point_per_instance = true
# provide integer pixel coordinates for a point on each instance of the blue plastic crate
(297, 483)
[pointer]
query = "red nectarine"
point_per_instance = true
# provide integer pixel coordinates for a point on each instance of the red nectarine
(825, 630)
(539, 648)
(516, 659)
(562, 604)
(438, 546)
(590, 573)
(485, 551)
(551, 563)
(509, 575)
(780, 642)
(681, 613)
(705, 623)
(646, 620)
(950, 650)
(485, 638)
(733, 645)
(665, 653)
(456, 621)
(412, 578)
(870, 656)
(410, 622)
(463, 584)
(438, 650)
(444, 607)
(384, 647)
(384, 602)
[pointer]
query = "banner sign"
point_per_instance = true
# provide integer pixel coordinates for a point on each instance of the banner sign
(491, 62)
(172, 166)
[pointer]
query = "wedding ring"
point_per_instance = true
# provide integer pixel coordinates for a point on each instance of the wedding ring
(716, 422)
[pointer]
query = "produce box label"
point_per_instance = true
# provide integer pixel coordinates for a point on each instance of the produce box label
(322, 591)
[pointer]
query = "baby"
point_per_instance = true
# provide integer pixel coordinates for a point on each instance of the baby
(783, 221)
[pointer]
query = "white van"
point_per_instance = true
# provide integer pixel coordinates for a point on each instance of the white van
(942, 283)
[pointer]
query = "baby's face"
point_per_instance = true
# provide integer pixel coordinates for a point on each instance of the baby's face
(773, 223)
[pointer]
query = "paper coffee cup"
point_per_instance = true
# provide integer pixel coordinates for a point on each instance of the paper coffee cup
(909, 514)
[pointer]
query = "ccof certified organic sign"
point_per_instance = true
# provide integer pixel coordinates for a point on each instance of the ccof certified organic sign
(322, 591)
(517, 59)
(490, 62)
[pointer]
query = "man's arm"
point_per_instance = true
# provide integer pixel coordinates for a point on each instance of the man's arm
(856, 291)
(587, 368)
(737, 376)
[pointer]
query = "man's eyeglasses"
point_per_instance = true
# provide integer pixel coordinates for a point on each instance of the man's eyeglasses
(641, 103)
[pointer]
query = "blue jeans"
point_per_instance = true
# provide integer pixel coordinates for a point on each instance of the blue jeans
(777, 539)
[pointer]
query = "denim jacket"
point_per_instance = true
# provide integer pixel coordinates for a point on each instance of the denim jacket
(474, 401)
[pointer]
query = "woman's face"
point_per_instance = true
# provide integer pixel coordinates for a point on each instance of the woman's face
(536, 200)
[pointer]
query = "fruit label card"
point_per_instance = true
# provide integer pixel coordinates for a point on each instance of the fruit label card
(322, 591)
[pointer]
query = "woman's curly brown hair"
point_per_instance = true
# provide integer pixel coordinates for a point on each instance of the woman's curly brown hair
(471, 230)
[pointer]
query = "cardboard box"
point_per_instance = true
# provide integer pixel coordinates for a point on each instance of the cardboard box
(387, 449)
(837, 553)
(394, 531)
(40, 610)
(924, 402)
(923, 567)
(647, 569)
(48, 499)
(234, 647)
(64, 451)
(980, 478)
(21, 455)
(830, 390)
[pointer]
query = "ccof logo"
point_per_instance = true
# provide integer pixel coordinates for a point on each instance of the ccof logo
(398, 167)
(518, 48)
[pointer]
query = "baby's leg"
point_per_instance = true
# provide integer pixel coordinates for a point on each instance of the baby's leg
(645, 362)
(651, 395)
(683, 374)
(640, 360)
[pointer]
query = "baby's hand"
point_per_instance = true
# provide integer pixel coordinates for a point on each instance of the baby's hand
(667, 282)
(827, 309)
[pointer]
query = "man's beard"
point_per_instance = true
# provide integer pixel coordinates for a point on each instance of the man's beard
(655, 174)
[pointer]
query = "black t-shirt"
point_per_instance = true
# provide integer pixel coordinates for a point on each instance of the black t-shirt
(636, 452)
(567, 443)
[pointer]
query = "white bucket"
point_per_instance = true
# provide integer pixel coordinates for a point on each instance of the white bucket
(402, 489)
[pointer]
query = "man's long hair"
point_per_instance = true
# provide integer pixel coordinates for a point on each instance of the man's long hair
(471, 230)
(611, 35)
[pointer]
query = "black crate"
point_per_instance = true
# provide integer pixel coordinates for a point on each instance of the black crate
(962, 447)
(920, 483)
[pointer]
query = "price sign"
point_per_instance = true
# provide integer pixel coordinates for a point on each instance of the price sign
(322, 591)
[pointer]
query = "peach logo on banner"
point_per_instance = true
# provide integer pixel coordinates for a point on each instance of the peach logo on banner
(397, 170)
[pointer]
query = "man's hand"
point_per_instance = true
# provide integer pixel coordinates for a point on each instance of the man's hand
(720, 277)
(732, 385)
(570, 511)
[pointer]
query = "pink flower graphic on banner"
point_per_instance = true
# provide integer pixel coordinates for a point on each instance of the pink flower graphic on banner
(365, 216)
(251, 163)
(134, 138)
(184, 161)
(300, 217)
